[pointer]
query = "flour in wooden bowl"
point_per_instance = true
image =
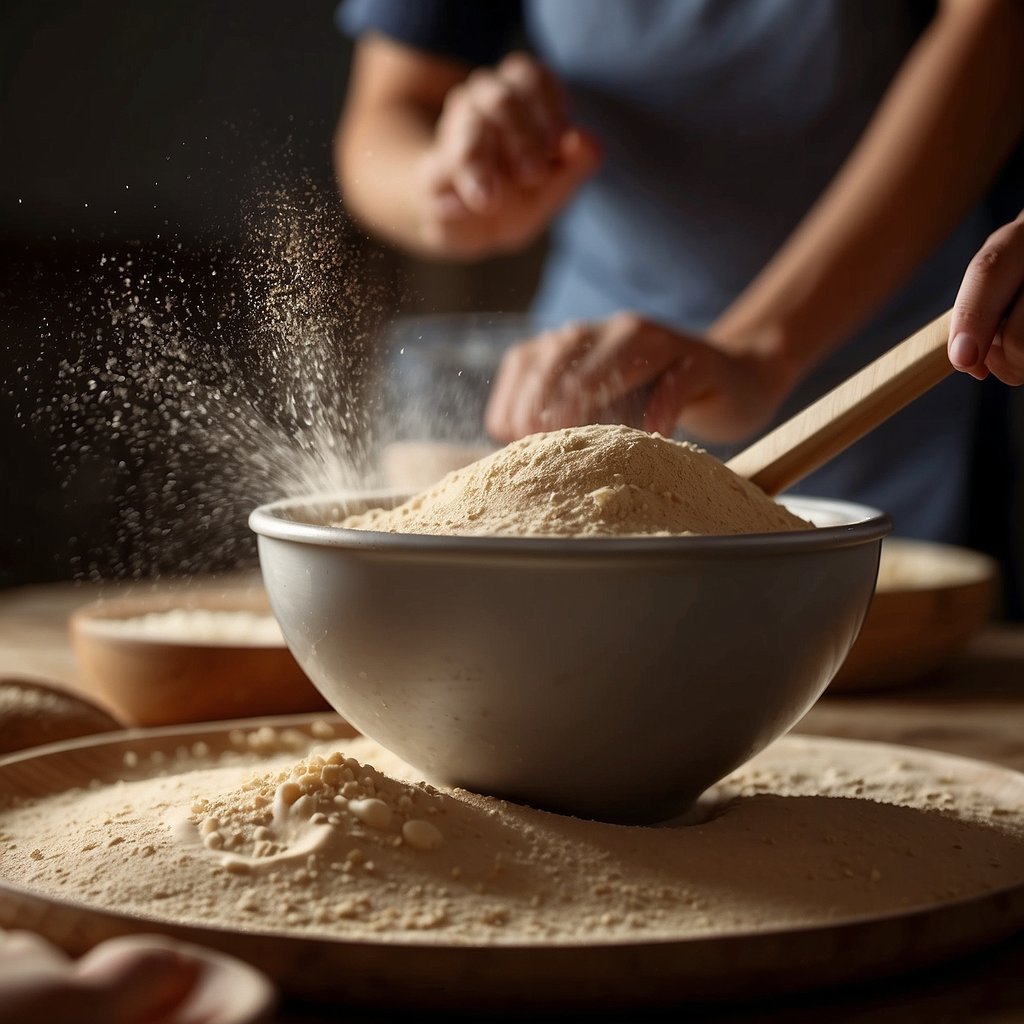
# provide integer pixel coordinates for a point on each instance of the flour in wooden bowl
(808, 833)
(32, 713)
(589, 481)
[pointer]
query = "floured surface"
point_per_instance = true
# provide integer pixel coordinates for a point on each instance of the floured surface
(590, 481)
(810, 832)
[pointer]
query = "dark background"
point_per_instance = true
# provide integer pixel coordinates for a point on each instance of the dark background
(141, 131)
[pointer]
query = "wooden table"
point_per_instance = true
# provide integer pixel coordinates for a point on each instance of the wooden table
(973, 707)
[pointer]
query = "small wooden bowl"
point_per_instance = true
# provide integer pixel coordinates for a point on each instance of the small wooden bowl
(33, 712)
(153, 681)
(929, 601)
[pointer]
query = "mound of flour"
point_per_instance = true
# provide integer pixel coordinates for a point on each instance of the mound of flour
(591, 481)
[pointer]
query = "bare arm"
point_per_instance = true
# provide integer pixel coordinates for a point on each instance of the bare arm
(946, 124)
(394, 99)
(453, 162)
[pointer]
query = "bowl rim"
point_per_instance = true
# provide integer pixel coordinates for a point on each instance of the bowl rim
(859, 524)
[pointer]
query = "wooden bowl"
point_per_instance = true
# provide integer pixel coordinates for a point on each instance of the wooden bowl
(33, 712)
(166, 680)
(930, 599)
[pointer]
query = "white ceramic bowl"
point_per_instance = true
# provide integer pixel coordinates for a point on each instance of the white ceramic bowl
(607, 678)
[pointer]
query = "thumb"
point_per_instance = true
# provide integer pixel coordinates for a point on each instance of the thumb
(579, 156)
(991, 281)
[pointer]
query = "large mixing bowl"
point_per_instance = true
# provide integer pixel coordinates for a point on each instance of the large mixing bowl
(608, 678)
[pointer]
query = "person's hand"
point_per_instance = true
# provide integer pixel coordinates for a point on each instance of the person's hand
(503, 161)
(633, 370)
(986, 334)
(124, 980)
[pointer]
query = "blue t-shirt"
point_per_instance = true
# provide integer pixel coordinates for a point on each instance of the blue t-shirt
(721, 122)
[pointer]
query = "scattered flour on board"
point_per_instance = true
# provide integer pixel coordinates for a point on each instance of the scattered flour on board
(319, 842)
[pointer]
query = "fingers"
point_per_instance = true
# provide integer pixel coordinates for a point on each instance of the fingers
(500, 126)
(1006, 356)
(989, 294)
(686, 381)
(528, 376)
(591, 373)
(532, 81)
(579, 155)
(501, 163)
(140, 978)
(714, 396)
(626, 353)
(21, 950)
(476, 174)
(464, 161)
(577, 374)
(530, 108)
(121, 981)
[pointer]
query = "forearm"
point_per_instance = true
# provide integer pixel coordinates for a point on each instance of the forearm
(375, 163)
(946, 124)
(383, 135)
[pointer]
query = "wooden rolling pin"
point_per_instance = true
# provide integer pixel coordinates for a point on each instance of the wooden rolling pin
(848, 412)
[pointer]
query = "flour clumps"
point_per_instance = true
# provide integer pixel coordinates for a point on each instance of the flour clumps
(591, 481)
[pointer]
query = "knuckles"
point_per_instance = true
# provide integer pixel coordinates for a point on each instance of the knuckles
(990, 257)
(520, 66)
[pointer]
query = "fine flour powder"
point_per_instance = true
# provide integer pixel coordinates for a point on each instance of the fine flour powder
(279, 836)
(590, 481)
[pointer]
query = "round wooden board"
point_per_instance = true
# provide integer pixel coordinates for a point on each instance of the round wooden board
(930, 600)
(433, 976)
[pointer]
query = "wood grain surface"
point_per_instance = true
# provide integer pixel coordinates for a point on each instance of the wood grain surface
(396, 973)
(973, 705)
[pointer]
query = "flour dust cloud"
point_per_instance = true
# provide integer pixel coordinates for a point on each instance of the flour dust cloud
(199, 382)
